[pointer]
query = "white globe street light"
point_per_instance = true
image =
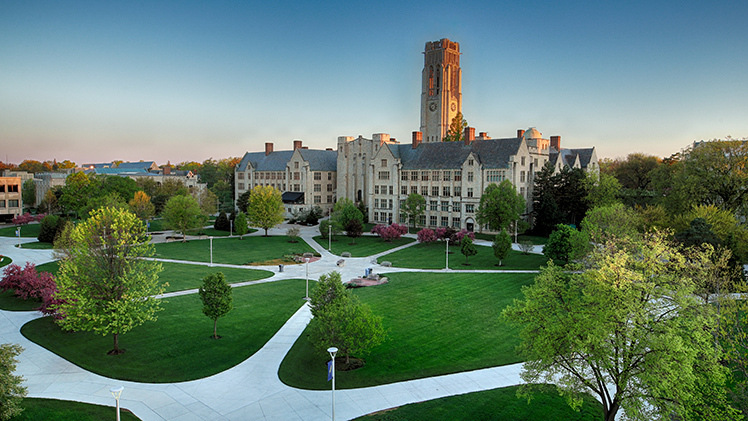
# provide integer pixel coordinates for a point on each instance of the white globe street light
(116, 393)
(306, 259)
(447, 254)
(333, 351)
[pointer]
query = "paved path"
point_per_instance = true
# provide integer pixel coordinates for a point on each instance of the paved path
(248, 391)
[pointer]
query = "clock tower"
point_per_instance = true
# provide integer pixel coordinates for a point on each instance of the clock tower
(441, 88)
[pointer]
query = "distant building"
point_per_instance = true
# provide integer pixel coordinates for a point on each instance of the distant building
(46, 181)
(305, 177)
(147, 169)
(11, 200)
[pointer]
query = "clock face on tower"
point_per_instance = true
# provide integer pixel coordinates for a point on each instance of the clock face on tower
(453, 106)
(432, 106)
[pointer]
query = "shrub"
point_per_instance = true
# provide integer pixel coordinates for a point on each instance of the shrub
(28, 284)
(565, 243)
(222, 222)
(390, 232)
(293, 235)
(51, 226)
(324, 228)
(526, 246)
(458, 236)
(426, 235)
(444, 233)
(26, 218)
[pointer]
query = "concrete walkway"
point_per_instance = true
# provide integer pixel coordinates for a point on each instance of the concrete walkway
(250, 390)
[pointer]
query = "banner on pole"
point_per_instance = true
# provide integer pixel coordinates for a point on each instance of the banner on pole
(329, 370)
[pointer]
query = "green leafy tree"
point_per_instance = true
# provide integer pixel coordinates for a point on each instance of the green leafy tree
(28, 193)
(50, 227)
(502, 243)
(602, 189)
(207, 200)
(558, 198)
(78, 189)
(215, 293)
(630, 330)
(343, 211)
(240, 224)
(456, 131)
(243, 201)
(105, 285)
(500, 206)
(341, 320)
(604, 223)
(11, 388)
(141, 206)
(354, 229)
(182, 213)
(467, 248)
(414, 206)
(265, 208)
(565, 244)
(124, 187)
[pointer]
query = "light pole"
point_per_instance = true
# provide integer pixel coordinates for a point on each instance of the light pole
(231, 228)
(211, 251)
(447, 254)
(116, 393)
(306, 297)
(332, 352)
(329, 238)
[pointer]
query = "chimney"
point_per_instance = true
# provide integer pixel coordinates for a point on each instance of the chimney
(167, 168)
(328, 149)
(556, 142)
(520, 133)
(469, 135)
(417, 138)
(296, 144)
(305, 147)
(268, 148)
(483, 135)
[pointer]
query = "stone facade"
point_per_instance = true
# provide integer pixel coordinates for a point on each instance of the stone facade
(441, 88)
(11, 201)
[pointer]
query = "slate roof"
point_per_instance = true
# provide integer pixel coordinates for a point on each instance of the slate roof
(585, 155)
(136, 165)
(570, 155)
(118, 171)
(275, 161)
(491, 153)
(320, 160)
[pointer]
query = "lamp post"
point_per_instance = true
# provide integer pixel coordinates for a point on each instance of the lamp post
(447, 254)
(211, 251)
(116, 393)
(231, 228)
(329, 238)
(332, 352)
(306, 260)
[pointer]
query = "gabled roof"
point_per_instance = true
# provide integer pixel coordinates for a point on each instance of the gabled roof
(274, 161)
(320, 160)
(491, 153)
(118, 171)
(585, 155)
(137, 165)
(570, 156)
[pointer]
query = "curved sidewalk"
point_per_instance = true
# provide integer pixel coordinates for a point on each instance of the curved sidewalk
(249, 391)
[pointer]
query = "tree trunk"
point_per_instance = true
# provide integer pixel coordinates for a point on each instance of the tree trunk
(215, 325)
(347, 359)
(610, 414)
(116, 349)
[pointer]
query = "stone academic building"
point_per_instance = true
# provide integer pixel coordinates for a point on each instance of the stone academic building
(451, 176)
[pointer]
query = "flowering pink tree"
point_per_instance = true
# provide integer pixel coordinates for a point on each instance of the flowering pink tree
(28, 284)
(426, 235)
(390, 232)
(26, 218)
(458, 236)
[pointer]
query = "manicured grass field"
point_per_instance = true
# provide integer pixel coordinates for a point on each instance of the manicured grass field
(537, 240)
(28, 231)
(365, 245)
(250, 250)
(38, 409)
(178, 347)
(497, 404)
(182, 276)
(437, 324)
(37, 245)
(431, 256)
(5, 261)
(9, 302)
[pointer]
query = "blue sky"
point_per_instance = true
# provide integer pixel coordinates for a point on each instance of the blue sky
(157, 80)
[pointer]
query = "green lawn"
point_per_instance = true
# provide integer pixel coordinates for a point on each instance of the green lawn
(178, 346)
(37, 245)
(39, 409)
(182, 276)
(9, 302)
(155, 225)
(365, 246)
(431, 256)
(5, 261)
(250, 250)
(436, 323)
(535, 239)
(497, 404)
(28, 231)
